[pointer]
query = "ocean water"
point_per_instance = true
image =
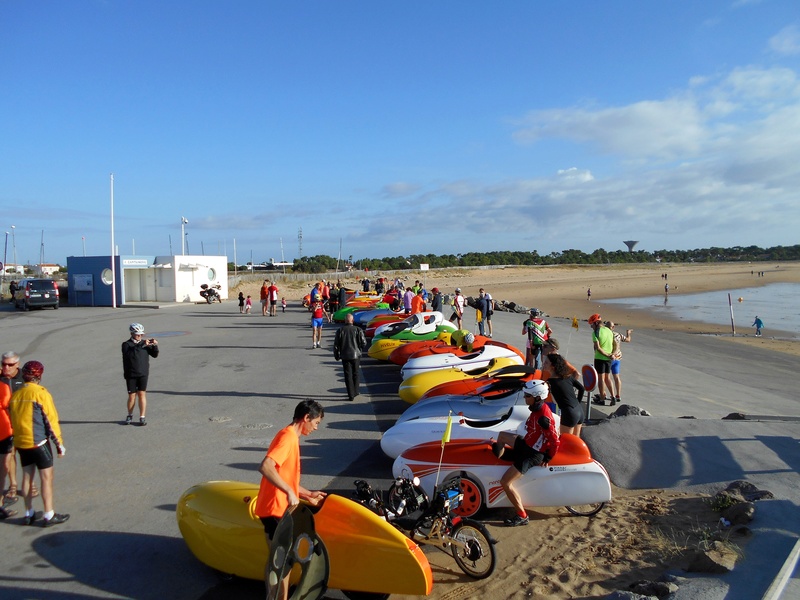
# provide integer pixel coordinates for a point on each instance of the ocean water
(778, 305)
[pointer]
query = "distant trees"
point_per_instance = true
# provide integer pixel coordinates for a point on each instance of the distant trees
(322, 263)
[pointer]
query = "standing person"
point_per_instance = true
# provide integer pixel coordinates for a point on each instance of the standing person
(248, 304)
(35, 422)
(13, 287)
(318, 316)
(563, 387)
(342, 296)
(326, 295)
(316, 293)
(408, 296)
(589, 294)
(616, 357)
(489, 311)
(418, 302)
(538, 332)
(264, 296)
(136, 353)
(241, 302)
(280, 487)
(6, 454)
(333, 301)
(458, 308)
(12, 378)
(536, 448)
(603, 343)
(482, 311)
(283, 304)
(436, 301)
(666, 288)
(759, 325)
(272, 295)
(348, 345)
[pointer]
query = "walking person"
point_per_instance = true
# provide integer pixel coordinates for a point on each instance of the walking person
(348, 345)
(538, 332)
(603, 343)
(136, 353)
(12, 378)
(759, 325)
(280, 487)
(318, 316)
(458, 308)
(35, 422)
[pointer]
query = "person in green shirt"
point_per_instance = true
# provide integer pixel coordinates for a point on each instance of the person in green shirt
(603, 341)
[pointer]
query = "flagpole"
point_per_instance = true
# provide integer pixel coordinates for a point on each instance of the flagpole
(113, 266)
(445, 439)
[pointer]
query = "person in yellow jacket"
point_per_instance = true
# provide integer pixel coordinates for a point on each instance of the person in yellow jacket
(35, 422)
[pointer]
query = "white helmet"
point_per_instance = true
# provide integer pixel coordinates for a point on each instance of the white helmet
(536, 388)
(137, 329)
(469, 338)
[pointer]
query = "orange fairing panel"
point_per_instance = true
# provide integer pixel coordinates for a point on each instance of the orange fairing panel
(366, 553)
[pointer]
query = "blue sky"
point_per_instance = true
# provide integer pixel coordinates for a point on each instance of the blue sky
(398, 127)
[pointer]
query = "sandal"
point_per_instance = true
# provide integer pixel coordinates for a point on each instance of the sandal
(12, 491)
(5, 513)
(9, 500)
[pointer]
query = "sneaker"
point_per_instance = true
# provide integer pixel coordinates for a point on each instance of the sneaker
(56, 519)
(30, 520)
(142, 421)
(516, 521)
(128, 419)
(598, 400)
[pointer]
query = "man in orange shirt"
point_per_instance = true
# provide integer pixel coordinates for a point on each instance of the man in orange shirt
(280, 475)
(418, 303)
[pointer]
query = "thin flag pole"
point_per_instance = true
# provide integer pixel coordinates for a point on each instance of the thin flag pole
(113, 266)
(445, 439)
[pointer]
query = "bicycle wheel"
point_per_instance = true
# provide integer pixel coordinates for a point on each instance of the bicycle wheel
(586, 510)
(475, 553)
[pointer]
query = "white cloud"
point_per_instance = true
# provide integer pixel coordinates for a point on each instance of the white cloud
(786, 41)
(399, 189)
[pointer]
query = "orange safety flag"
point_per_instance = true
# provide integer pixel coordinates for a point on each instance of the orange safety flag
(446, 436)
(575, 322)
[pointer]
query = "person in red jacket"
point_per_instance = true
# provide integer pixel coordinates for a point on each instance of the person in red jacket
(536, 448)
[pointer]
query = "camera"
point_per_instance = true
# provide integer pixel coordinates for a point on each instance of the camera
(151, 340)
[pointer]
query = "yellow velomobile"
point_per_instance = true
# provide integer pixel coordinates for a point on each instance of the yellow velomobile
(412, 389)
(380, 349)
(367, 555)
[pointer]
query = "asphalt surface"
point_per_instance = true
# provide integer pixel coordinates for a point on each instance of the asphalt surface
(225, 383)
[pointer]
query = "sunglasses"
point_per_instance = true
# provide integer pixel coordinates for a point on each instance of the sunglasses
(10, 364)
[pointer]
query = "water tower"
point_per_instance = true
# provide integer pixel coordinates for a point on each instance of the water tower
(631, 244)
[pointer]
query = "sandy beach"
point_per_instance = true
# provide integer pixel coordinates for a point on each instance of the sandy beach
(561, 291)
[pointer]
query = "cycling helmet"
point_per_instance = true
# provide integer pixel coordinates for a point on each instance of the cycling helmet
(458, 290)
(536, 388)
(137, 329)
(469, 338)
(32, 369)
(534, 312)
(595, 318)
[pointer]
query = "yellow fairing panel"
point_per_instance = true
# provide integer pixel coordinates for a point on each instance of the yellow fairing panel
(382, 348)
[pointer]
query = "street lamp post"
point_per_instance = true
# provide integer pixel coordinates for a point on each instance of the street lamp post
(14, 245)
(184, 221)
(5, 260)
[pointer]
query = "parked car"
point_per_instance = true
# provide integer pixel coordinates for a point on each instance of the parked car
(37, 293)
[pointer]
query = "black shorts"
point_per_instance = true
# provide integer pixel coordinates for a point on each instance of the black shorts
(602, 366)
(41, 456)
(523, 456)
(7, 446)
(273, 303)
(136, 384)
(270, 525)
(571, 415)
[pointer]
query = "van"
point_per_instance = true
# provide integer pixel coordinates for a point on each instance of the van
(36, 293)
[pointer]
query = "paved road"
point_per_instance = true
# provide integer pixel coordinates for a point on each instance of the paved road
(225, 382)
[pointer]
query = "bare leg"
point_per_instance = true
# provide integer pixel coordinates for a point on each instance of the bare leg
(11, 469)
(507, 481)
(27, 481)
(564, 429)
(46, 481)
(618, 385)
(142, 403)
(578, 429)
(131, 403)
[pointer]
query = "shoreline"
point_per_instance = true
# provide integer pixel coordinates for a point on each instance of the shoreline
(560, 291)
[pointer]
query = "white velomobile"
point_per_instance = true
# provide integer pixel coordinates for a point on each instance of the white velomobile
(478, 408)
(573, 479)
(419, 323)
(473, 360)
(402, 436)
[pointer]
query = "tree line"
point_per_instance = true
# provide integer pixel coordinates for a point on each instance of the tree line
(322, 263)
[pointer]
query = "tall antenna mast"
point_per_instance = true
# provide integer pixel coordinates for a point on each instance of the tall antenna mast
(300, 242)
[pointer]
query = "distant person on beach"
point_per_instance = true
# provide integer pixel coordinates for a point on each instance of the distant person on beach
(348, 345)
(666, 288)
(758, 324)
(616, 357)
(589, 294)
(136, 354)
(489, 311)
(538, 332)
(481, 311)
(603, 342)
(536, 448)
(568, 393)
(280, 487)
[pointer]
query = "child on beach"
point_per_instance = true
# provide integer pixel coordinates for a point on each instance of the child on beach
(283, 304)
(241, 302)
(248, 304)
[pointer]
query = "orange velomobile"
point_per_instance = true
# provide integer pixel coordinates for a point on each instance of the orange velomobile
(497, 384)
(402, 354)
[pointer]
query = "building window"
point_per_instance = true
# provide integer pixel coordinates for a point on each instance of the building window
(107, 277)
